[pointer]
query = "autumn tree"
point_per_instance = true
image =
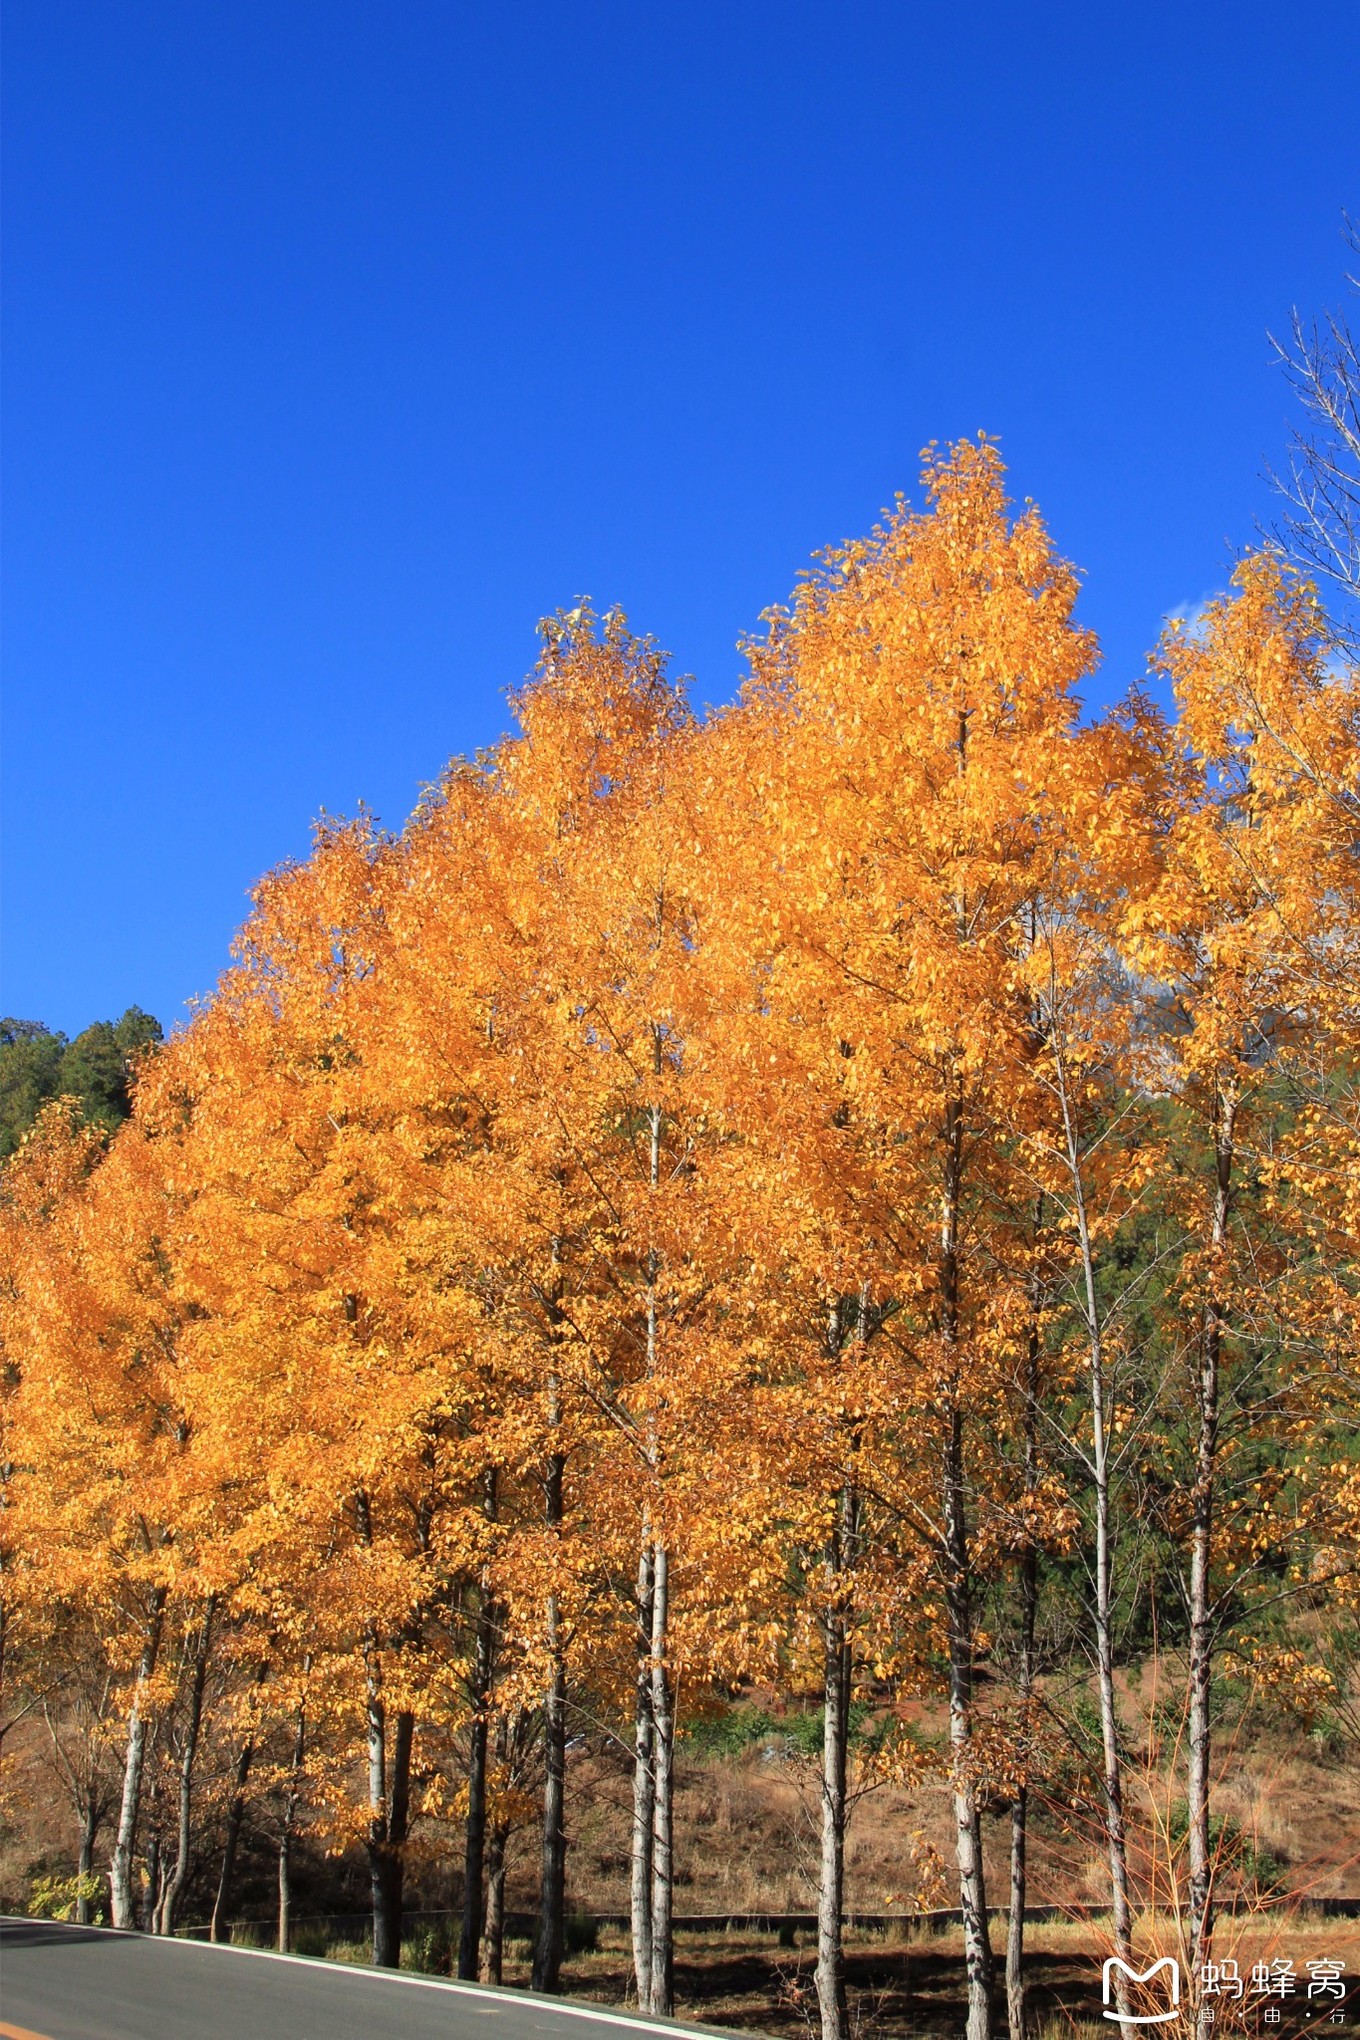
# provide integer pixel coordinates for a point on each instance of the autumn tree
(910, 708)
(1230, 933)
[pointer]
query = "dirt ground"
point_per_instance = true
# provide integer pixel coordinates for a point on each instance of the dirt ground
(910, 1982)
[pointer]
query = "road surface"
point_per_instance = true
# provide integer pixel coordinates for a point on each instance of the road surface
(86, 1983)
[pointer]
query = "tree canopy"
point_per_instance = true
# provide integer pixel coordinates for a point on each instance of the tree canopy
(38, 1063)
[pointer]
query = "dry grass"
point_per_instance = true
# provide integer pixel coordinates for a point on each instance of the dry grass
(908, 1982)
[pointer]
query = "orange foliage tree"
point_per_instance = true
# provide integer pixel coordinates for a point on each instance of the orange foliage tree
(655, 1225)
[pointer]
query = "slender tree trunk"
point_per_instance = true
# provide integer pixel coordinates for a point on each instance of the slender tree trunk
(235, 1816)
(644, 1781)
(967, 1816)
(122, 1903)
(548, 1949)
(398, 1831)
(494, 1938)
(1115, 1835)
(1015, 1925)
(653, 1776)
(958, 1597)
(1116, 1841)
(836, 1680)
(236, 1810)
(388, 1801)
(155, 1874)
(175, 1882)
(89, 1829)
(375, 1726)
(1201, 1661)
(285, 1927)
(547, 1965)
(663, 1754)
(474, 1852)
(483, 1667)
(286, 1832)
(836, 1687)
(510, 1730)
(1029, 1596)
(389, 1792)
(388, 1795)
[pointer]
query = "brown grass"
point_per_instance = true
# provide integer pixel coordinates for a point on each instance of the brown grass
(909, 1982)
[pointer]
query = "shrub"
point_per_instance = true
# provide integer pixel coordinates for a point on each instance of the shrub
(580, 1934)
(430, 1947)
(56, 1898)
(312, 1938)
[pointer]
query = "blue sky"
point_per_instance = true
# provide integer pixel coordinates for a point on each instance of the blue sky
(343, 341)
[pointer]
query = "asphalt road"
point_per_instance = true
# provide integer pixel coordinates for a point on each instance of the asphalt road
(86, 1983)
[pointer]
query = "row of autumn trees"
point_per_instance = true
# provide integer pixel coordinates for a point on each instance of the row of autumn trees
(729, 1200)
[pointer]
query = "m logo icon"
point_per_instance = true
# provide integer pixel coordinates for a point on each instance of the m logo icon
(1173, 1970)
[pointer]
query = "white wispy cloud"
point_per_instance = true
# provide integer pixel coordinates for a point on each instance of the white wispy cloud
(1191, 614)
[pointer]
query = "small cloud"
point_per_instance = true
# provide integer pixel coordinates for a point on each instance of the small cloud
(1191, 615)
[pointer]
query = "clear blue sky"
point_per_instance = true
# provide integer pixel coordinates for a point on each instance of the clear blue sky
(343, 341)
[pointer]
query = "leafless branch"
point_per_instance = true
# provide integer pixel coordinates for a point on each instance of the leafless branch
(1320, 483)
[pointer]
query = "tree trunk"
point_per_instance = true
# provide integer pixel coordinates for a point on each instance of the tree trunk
(375, 1723)
(494, 1939)
(957, 1567)
(1116, 1840)
(1029, 1596)
(154, 1877)
(663, 1760)
(1200, 1669)
(286, 1832)
(483, 1666)
(285, 1890)
(394, 1845)
(388, 1798)
(548, 1949)
(967, 1817)
(89, 1829)
(245, 1756)
(235, 1815)
(644, 1782)
(547, 1966)
(174, 1883)
(387, 1832)
(1015, 1924)
(474, 1851)
(122, 1903)
(1112, 1762)
(652, 1867)
(831, 1995)
(1113, 1775)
